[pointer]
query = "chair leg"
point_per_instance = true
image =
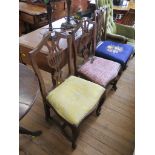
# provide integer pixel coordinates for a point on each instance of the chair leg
(114, 87)
(124, 67)
(98, 110)
(75, 134)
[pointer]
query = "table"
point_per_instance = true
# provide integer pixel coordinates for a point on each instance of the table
(33, 15)
(28, 90)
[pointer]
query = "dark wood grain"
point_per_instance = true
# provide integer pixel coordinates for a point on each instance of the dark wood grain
(28, 89)
(129, 18)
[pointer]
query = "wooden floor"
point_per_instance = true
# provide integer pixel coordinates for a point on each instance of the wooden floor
(112, 133)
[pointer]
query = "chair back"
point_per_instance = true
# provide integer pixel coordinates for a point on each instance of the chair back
(84, 40)
(129, 18)
(56, 57)
(111, 27)
(101, 22)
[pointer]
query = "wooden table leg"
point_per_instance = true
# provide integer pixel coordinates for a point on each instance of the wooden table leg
(27, 132)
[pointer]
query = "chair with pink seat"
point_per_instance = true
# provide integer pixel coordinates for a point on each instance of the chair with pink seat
(99, 70)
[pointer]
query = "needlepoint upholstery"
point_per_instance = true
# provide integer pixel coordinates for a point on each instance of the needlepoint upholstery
(101, 71)
(75, 98)
(114, 51)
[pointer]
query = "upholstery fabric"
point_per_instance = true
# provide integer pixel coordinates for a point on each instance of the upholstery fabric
(131, 42)
(75, 98)
(114, 51)
(125, 30)
(114, 28)
(101, 71)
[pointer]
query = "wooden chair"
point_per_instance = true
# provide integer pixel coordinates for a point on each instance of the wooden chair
(129, 18)
(72, 100)
(96, 69)
(100, 19)
(108, 49)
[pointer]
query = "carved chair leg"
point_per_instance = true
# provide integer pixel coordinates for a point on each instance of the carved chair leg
(98, 110)
(75, 134)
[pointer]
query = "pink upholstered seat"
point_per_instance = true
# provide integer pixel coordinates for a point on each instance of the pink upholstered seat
(101, 71)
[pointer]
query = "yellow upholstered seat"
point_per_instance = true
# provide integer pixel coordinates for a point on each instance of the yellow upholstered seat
(75, 98)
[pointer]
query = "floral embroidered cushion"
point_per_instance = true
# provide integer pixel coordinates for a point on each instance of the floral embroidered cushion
(75, 98)
(101, 71)
(114, 51)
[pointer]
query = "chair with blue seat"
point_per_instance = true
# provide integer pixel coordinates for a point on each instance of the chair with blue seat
(108, 49)
(72, 99)
(115, 51)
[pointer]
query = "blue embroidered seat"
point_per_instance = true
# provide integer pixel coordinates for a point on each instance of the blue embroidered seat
(115, 51)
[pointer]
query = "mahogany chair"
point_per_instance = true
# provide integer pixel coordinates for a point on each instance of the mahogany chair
(108, 49)
(129, 18)
(101, 22)
(73, 99)
(99, 70)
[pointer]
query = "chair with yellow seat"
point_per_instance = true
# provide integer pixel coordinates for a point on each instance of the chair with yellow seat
(71, 99)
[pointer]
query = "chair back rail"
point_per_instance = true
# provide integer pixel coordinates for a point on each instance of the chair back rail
(101, 22)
